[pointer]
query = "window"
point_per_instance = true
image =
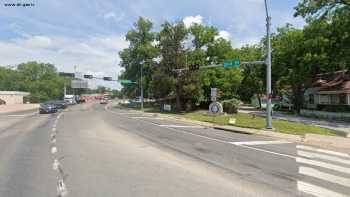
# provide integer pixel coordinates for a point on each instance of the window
(311, 99)
(334, 99)
(342, 99)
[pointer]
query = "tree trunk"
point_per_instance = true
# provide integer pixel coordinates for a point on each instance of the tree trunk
(259, 100)
(178, 100)
(298, 98)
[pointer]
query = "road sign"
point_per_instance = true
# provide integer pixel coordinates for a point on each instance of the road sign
(213, 93)
(125, 82)
(231, 63)
(79, 84)
(215, 108)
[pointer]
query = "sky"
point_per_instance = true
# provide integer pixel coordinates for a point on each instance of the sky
(89, 34)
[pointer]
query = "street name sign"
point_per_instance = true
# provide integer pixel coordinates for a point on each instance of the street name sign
(231, 63)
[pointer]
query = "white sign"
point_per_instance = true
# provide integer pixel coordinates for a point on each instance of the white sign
(79, 84)
(167, 107)
(213, 94)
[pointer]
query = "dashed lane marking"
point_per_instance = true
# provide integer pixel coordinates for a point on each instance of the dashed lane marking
(324, 176)
(317, 191)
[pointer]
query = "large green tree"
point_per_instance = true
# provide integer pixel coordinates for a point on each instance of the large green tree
(140, 53)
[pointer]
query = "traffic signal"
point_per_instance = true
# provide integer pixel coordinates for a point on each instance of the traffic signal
(88, 76)
(107, 78)
(194, 67)
(63, 74)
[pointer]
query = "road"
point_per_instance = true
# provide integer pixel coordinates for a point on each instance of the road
(105, 151)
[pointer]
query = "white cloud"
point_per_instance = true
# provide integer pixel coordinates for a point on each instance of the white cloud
(95, 55)
(112, 15)
(190, 20)
(224, 34)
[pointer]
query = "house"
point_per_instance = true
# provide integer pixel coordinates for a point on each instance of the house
(12, 97)
(329, 89)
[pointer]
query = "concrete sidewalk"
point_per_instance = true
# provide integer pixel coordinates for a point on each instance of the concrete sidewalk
(334, 125)
(17, 108)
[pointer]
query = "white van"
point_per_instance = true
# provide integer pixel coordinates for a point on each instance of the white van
(70, 99)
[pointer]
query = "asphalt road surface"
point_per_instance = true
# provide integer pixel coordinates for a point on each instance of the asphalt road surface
(91, 150)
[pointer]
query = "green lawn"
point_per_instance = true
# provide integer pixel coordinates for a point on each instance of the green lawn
(248, 121)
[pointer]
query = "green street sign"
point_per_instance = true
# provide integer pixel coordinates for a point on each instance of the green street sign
(126, 82)
(231, 63)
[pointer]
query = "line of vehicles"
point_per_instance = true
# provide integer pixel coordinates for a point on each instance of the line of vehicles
(52, 106)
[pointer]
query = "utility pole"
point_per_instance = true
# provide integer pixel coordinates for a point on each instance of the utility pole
(268, 71)
(141, 84)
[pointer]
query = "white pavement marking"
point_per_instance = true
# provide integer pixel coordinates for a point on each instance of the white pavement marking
(317, 191)
(323, 151)
(145, 117)
(209, 138)
(324, 176)
(22, 115)
(179, 126)
(261, 142)
(54, 129)
(322, 156)
(323, 165)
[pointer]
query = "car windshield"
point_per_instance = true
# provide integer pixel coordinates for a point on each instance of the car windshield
(174, 98)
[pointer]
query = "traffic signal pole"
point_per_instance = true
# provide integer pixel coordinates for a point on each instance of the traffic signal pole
(268, 71)
(141, 85)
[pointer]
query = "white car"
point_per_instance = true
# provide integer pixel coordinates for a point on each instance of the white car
(103, 101)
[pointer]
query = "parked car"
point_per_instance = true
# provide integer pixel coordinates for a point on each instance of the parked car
(46, 108)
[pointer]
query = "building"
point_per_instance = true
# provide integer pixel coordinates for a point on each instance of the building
(12, 97)
(329, 89)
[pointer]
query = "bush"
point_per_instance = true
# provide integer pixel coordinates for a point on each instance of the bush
(231, 106)
(334, 108)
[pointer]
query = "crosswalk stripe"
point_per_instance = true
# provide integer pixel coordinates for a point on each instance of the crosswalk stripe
(322, 156)
(317, 190)
(260, 142)
(323, 164)
(324, 176)
(323, 151)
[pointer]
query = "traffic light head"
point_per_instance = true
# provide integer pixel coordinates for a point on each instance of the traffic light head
(88, 76)
(107, 78)
(64, 74)
(194, 67)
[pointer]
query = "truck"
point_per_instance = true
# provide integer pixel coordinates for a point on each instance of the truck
(70, 99)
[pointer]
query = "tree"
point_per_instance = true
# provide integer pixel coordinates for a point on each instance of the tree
(140, 53)
(40, 79)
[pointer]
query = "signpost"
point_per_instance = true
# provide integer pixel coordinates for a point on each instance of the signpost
(213, 94)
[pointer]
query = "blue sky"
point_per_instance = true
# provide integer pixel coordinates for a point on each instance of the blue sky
(89, 33)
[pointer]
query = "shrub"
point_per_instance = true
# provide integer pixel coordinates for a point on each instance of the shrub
(231, 106)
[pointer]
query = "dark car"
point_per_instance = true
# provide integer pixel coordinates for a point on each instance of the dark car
(59, 104)
(46, 108)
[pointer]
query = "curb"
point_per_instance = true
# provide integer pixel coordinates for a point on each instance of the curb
(329, 142)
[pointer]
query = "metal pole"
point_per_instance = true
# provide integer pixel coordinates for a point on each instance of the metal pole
(268, 71)
(64, 90)
(141, 84)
